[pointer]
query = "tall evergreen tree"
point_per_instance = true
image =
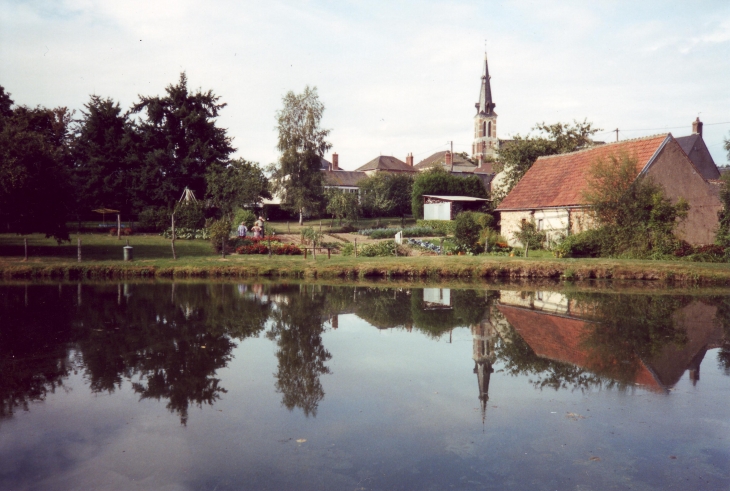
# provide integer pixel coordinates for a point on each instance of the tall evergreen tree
(302, 143)
(179, 143)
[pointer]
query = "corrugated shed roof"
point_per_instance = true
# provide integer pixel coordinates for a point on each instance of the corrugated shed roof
(386, 162)
(561, 180)
(343, 177)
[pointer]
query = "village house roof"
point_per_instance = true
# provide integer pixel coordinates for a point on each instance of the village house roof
(386, 163)
(343, 178)
(324, 164)
(439, 158)
(695, 148)
(561, 180)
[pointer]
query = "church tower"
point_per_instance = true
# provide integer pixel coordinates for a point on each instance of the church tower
(485, 144)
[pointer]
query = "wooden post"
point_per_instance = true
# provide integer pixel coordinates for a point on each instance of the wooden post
(305, 253)
(328, 253)
(119, 226)
(320, 226)
(25, 243)
(269, 248)
(355, 247)
(441, 246)
(223, 247)
(174, 256)
(527, 248)
(78, 250)
(288, 230)
(314, 250)
(396, 250)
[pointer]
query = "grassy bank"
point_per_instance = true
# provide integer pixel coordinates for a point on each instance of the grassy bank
(101, 258)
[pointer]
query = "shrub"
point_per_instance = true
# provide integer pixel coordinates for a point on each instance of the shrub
(219, 230)
(125, 231)
(311, 236)
(155, 219)
(246, 216)
(384, 248)
(348, 249)
(529, 235)
(287, 250)
(492, 241)
(256, 248)
(387, 233)
(468, 228)
(187, 233)
(583, 244)
(190, 214)
(445, 227)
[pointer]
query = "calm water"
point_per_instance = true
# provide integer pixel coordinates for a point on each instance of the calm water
(209, 386)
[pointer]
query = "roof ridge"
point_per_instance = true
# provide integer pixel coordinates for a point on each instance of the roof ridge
(604, 145)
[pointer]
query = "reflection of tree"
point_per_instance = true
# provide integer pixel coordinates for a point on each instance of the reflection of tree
(384, 307)
(723, 316)
(34, 344)
(168, 340)
(297, 327)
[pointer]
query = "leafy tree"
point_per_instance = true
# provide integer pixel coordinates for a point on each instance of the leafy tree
(101, 145)
(342, 204)
(529, 236)
(6, 103)
(633, 211)
(722, 236)
(386, 194)
(439, 181)
(238, 184)
(179, 142)
(35, 191)
(516, 158)
(468, 227)
(302, 143)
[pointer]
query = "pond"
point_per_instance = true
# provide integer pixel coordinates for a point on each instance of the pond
(222, 386)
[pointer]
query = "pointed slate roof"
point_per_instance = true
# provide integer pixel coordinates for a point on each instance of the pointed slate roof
(695, 148)
(561, 180)
(485, 106)
(386, 163)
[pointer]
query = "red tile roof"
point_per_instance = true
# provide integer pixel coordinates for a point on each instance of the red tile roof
(561, 180)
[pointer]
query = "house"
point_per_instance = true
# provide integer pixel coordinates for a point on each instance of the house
(458, 166)
(387, 163)
(336, 178)
(552, 191)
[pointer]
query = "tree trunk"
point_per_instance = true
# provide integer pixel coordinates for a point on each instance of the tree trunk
(301, 217)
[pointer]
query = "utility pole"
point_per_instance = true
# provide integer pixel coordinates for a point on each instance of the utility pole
(452, 155)
(616, 130)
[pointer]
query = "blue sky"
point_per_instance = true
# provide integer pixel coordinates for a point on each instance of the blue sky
(395, 77)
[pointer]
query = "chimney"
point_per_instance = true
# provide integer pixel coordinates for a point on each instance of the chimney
(335, 161)
(449, 161)
(409, 159)
(697, 126)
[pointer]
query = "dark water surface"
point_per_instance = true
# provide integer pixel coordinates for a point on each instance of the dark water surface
(210, 386)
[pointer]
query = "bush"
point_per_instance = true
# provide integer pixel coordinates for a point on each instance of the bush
(583, 244)
(155, 219)
(445, 227)
(190, 215)
(219, 230)
(384, 248)
(529, 235)
(492, 241)
(255, 248)
(310, 236)
(468, 228)
(348, 249)
(125, 231)
(287, 250)
(246, 216)
(187, 233)
(388, 233)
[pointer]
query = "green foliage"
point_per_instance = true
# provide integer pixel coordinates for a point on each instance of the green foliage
(35, 191)
(722, 236)
(529, 235)
(190, 214)
(239, 183)
(311, 236)
(187, 233)
(342, 204)
(102, 151)
(384, 248)
(386, 194)
(638, 220)
(178, 143)
(302, 144)
(155, 219)
(438, 181)
(584, 244)
(517, 157)
(219, 230)
(492, 241)
(468, 227)
(347, 249)
(246, 216)
(444, 227)
(388, 233)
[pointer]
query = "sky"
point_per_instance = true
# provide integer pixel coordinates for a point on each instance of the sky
(395, 76)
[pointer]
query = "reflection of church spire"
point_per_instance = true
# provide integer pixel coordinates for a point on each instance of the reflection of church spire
(483, 338)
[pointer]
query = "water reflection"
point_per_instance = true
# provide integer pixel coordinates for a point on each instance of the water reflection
(168, 342)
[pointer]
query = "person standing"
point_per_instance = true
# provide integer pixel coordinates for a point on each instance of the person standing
(242, 230)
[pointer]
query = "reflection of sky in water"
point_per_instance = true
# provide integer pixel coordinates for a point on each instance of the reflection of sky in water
(400, 411)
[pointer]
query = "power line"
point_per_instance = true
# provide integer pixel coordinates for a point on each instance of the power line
(663, 128)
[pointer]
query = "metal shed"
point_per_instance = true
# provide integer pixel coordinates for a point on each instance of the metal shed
(447, 207)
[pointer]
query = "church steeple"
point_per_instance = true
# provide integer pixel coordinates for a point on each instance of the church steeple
(485, 106)
(486, 143)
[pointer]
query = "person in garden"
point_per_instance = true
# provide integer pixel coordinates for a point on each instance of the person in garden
(256, 231)
(242, 230)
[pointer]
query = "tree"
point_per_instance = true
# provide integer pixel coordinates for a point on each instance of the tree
(633, 212)
(100, 149)
(302, 144)
(237, 185)
(722, 236)
(439, 181)
(35, 191)
(342, 204)
(516, 158)
(179, 142)
(386, 194)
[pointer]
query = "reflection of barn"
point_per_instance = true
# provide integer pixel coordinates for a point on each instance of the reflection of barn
(558, 329)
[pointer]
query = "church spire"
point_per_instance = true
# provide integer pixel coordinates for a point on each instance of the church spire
(485, 105)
